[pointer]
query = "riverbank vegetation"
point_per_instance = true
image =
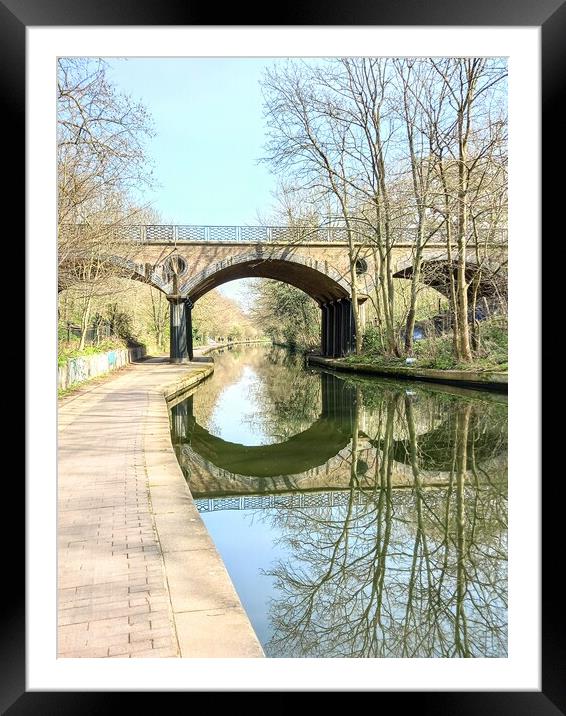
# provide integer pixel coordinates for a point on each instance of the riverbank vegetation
(69, 349)
(127, 313)
(408, 152)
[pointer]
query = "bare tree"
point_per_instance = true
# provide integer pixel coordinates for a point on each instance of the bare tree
(100, 157)
(461, 143)
(308, 140)
(420, 106)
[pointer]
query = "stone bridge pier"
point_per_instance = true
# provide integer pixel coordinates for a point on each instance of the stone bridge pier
(180, 329)
(338, 334)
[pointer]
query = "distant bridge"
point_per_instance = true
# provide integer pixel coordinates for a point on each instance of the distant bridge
(186, 262)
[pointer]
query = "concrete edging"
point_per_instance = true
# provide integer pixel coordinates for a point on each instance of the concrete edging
(209, 618)
(470, 379)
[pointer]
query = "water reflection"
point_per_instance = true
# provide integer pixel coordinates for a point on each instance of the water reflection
(384, 508)
(296, 454)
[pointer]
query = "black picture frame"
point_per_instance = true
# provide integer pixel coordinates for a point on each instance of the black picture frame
(550, 16)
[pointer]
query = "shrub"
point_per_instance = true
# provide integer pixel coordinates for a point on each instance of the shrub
(435, 352)
(372, 342)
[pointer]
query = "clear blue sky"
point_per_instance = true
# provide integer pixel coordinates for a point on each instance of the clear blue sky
(209, 137)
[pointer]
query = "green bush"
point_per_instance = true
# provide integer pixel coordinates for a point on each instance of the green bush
(494, 340)
(435, 352)
(372, 342)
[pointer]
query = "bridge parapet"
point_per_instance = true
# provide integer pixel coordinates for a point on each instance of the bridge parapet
(185, 233)
(182, 233)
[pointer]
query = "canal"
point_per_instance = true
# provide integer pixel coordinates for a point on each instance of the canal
(357, 517)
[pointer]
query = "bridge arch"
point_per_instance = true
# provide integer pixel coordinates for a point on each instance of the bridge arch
(316, 278)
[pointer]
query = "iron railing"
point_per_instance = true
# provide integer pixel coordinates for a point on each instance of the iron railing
(238, 234)
(174, 233)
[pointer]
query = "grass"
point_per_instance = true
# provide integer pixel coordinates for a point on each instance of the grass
(437, 352)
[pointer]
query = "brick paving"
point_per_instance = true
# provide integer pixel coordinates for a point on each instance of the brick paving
(112, 590)
(138, 574)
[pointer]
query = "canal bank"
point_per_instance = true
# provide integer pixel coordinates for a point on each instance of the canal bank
(465, 378)
(138, 574)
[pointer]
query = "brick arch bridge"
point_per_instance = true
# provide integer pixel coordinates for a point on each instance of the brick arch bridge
(185, 262)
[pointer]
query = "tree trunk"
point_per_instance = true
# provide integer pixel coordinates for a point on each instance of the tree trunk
(464, 347)
(461, 447)
(356, 311)
(475, 332)
(410, 322)
(85, 317)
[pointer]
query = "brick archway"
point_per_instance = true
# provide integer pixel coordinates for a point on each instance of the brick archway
(316, 278)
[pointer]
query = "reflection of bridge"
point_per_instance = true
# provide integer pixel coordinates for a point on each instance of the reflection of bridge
(185, 262)
(313, 447)
(207, 480)
(296, 500)
(324, 457)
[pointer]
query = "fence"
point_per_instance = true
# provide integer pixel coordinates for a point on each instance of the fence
(94, 335)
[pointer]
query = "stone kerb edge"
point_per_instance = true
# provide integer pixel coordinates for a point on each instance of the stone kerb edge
(208, 617)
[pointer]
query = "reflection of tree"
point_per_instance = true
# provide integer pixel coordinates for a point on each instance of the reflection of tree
(413, 563)
(228, 369)
(287, 398)
(407, 573)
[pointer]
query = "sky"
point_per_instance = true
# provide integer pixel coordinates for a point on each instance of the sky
(209, 126)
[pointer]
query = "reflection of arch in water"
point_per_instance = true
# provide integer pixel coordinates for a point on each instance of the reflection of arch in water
(298, 454)
(320, 457)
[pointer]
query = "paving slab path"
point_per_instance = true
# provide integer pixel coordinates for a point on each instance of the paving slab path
(138, 574)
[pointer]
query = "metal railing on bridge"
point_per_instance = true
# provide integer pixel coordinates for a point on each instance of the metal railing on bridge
(161, 233)
(174, 233)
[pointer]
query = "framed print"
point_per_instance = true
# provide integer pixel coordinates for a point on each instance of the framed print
(520, 672)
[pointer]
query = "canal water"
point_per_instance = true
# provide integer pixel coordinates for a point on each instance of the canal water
(357, 517)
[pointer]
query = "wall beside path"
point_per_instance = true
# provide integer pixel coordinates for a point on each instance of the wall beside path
(77, 370)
